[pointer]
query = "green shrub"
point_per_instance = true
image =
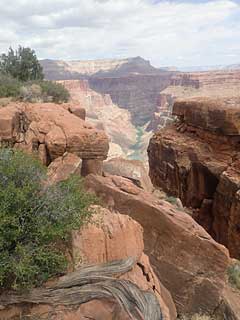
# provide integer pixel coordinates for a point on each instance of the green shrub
(234, 274)
(35, 220)
(9, 87)
(54, 92)
(33, 91)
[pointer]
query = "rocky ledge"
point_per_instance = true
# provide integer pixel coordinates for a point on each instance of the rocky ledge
(198, 160)
(51, 130)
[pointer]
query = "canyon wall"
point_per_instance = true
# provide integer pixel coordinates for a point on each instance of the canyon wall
(198, 160)
(130, 99)
(105, 115)
(133, 83)
(136, 93)
(224, 83)
(68, 70)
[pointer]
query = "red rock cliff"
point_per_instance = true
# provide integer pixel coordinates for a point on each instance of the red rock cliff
(198, 160)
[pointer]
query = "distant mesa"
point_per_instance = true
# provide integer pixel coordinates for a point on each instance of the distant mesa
(77, 69)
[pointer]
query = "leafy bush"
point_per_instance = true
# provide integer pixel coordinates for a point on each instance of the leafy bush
(9, 87)
(54, 92)
(35, 220)
(234, 274)
(33, 91)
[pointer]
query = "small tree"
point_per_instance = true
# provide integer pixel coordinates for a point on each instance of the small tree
(21, 64)
(36, 220)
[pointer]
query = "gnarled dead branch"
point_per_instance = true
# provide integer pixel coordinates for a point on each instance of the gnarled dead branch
(90, 283)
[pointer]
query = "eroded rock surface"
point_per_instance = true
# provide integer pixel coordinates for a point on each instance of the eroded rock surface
(197, 160)
(63, 167)
(118, 236)
(190, 264)
(50, 130)
(109, 238)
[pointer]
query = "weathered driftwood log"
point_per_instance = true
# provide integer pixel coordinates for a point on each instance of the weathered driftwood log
(94, 282)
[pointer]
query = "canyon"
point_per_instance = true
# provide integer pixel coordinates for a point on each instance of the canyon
(131, 99)
(144, 100)
(161, 242)
(160, 261)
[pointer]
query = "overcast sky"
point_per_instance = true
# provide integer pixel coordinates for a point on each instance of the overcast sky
(169, 33)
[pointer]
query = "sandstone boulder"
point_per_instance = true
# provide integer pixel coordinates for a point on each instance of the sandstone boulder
(189, 263)
(10, 129)
(68, 132)
(63, 167)
(50, 130)
(133, 170)
(78, 111)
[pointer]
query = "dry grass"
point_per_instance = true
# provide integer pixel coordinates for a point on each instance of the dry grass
(197, 317)
(5, 101)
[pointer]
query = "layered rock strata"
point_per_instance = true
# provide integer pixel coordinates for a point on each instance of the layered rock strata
(68, 70)
(213, 84)
(136, 93)
(197, 160)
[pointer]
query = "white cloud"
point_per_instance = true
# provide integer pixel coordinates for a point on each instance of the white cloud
(167, 32)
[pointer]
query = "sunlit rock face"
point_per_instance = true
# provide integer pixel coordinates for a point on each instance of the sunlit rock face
(50, 130)
(197, 159)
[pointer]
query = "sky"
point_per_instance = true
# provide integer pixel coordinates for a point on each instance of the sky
(168, 33)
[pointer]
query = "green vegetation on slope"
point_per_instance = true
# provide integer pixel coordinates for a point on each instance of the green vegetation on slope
(21, 77)
(38, 91)
(36, 220)
(234, 274)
